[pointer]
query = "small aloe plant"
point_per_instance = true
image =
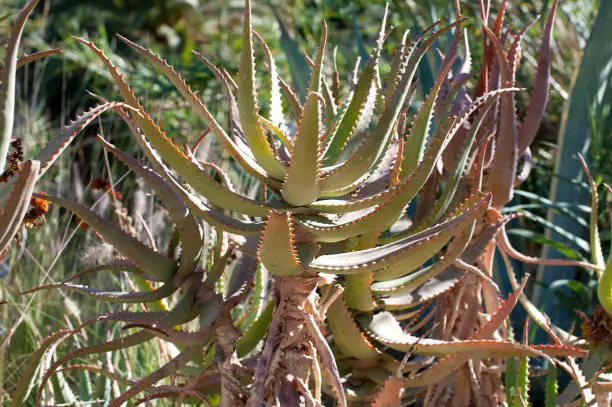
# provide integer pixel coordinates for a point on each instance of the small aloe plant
(351, 274)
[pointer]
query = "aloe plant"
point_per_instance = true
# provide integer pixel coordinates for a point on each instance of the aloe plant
(326, 233)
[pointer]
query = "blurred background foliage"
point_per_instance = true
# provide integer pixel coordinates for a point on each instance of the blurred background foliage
(54, 90)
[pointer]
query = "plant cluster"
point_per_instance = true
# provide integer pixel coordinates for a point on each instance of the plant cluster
(356, 265)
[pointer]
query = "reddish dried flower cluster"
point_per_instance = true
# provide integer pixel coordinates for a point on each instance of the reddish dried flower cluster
(597, 328)
(14, 160)
(99, 183)
(35, 216)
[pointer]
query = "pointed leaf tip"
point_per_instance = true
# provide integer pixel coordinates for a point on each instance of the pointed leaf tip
(302, 185)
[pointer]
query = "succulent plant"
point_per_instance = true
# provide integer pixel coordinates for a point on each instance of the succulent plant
(326, 238)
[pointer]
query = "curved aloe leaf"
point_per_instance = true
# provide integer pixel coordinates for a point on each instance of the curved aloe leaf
(9, 78)
(459, 169)
(503, 173)
(277, 248)
(15, 208)
(417, 139)
(188, 229)
(164, 291)
(302, 183)
(35, 56)
(595, 241)
(389, 255)
(256, 331)
(259, 296)
(247, 104)
(184, 311)
(166, 370)
(347, 335)
(55, 147)
(108, 346)
(384, 328)
(403, 287)
(276, 106)
(199, 208)
(454, 361)
(158, 266)
(539, 98)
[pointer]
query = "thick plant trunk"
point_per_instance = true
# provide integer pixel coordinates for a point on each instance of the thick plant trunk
(283, 371)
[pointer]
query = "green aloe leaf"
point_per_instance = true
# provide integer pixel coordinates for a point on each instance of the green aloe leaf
(199, 208)
(256, 331)
(347, 335)
(302, 181)
(276, 104)
(421, 127)
(552, 387)
(400, 252)
(301, 185)
(158, 266)
(164, 291)
(277, 249)
(248, 107)
(188, 228)
(51, 151)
